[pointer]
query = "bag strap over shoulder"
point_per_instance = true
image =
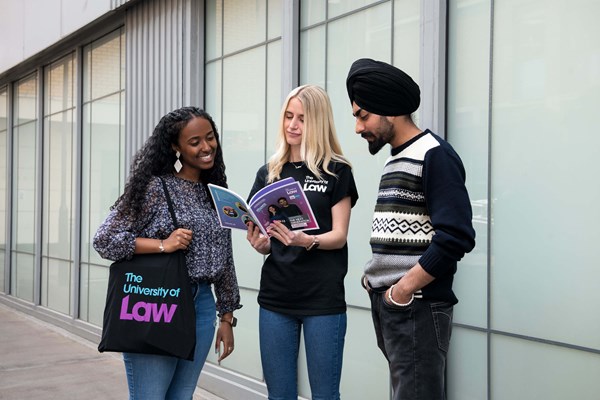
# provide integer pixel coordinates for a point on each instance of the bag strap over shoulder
(169, 202)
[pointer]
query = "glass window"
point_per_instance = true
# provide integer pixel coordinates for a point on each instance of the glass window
(24, 211)
(3, 179)
(546, 92)
(275, 16)
(312, 56)
(243, 129)
(245, 24)
(467, 365)
(365, 374)
(407, 32)
(312, 12)
(467, 112)
(103, 169)
(105, 75)
(246, 338)
(366, 33)
(243, 95)
(214, 91)
(273, 94)
(530, 370)
(328, 46)
(243, 114)
(57, 224)
(336, 8)
(214, 29)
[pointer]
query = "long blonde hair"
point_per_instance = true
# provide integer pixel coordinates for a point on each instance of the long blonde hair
(319, 140)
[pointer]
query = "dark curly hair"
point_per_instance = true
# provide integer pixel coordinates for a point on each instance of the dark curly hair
(156, 158)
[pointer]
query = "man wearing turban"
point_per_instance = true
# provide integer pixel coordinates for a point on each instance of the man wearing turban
(421, 229)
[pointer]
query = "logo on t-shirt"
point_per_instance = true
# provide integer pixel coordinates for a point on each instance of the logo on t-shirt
(314, 185)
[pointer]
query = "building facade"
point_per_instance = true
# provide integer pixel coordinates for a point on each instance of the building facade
(513, 85)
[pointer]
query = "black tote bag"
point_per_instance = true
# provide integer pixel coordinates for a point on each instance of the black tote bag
(149, 305)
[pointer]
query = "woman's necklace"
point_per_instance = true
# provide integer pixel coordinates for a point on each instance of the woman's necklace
(296, 165)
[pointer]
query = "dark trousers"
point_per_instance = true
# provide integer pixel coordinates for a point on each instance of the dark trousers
(414, 339)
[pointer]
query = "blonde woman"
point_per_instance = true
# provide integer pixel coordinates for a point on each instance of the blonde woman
(302, 280)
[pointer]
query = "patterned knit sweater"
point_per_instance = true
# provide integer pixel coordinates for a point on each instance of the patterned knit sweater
(423, 214)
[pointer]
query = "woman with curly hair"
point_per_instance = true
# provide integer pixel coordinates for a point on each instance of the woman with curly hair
(302, 279)
(184, 151)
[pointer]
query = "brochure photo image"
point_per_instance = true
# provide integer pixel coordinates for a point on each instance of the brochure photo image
(283, 201)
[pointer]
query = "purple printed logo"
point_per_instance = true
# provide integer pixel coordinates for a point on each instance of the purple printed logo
(147, 312)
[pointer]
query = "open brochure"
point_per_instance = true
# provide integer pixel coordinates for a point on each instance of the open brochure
(283, 200)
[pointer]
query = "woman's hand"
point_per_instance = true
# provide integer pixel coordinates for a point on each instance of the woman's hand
(224, 337)
(260, 242)
(279, 231)
(179, 239)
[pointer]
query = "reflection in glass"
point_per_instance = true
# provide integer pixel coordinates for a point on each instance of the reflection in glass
(56, 284)
(103, 170)
(57, 239)
(246, 24)
(24, 188)
(467, 112)
(26, 100)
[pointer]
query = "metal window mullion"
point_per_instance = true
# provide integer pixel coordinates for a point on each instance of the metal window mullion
(77, 194)
(290, 46)
(489, 206)
(9, 186)
(193, 54)
(433, 65)
(39, 185)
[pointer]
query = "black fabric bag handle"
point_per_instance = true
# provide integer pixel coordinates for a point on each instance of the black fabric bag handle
(169, 202)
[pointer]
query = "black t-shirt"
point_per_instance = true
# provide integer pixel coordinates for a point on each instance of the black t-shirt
(300, 282)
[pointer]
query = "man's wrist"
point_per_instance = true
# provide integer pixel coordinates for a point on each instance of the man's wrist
(399, 303)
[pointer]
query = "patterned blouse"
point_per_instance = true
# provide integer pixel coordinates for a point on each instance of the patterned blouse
(209, 256)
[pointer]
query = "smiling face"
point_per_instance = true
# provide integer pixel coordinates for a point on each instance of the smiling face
(293, 123)
(198, 145)
(375, 129)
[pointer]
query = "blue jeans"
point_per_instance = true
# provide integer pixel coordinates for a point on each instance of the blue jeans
(279, 346)
(414, 340)
(155, 377)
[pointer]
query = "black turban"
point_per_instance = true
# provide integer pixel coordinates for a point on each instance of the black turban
(381, 88)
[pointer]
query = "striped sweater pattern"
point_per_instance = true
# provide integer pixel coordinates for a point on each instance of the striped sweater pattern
(401, 230)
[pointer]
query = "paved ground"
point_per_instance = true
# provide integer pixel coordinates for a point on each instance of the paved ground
(41, 361)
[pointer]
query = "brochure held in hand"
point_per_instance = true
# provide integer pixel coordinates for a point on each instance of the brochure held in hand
(283, 201)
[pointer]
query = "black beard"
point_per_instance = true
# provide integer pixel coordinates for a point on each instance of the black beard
(375, 145)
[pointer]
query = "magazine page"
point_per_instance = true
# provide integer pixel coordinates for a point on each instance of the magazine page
(285, 201)
(232, 210)
(270, 188)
